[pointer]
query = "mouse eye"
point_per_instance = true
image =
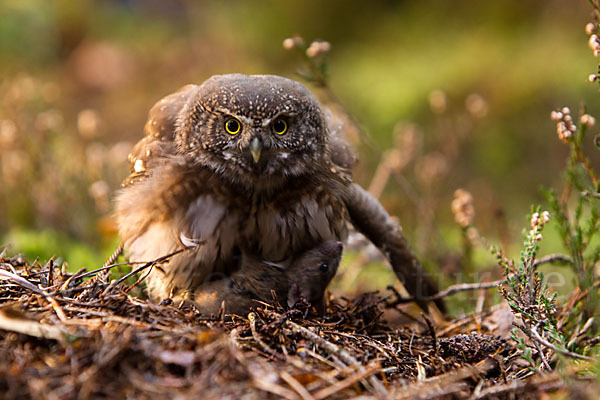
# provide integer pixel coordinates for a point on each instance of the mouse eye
(324, 267)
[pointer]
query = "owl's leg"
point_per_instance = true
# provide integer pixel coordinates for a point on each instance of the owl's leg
(370, 218)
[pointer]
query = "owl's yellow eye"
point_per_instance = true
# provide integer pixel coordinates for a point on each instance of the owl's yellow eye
(279, 127)
(233, 126)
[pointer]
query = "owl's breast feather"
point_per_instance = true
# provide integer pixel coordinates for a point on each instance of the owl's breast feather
(278, 230)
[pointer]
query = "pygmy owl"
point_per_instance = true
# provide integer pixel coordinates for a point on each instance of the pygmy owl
(246, 165)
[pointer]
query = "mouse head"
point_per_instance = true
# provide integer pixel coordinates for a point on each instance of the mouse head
(311, 272)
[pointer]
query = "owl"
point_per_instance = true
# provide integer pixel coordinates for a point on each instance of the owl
(246, 165)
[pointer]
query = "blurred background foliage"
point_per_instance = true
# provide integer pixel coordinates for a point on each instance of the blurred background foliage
(463, 90)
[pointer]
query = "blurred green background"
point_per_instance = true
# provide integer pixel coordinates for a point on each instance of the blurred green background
(469, 85)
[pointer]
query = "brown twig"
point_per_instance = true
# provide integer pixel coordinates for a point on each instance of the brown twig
(106, 267)
(431, 331)
(550, 258)
(255, 335)
(450, 290)
(10, 276)
(14, 323)
(113, 257)
(445, 384)
(7, 275)
(297, 386)
(548, 382)
(347, 382)
(147, 265)
(337, 351)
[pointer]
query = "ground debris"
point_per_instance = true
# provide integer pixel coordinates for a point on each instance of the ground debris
(66, 336)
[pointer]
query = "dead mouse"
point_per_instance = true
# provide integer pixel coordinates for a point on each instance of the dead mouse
(307, 276)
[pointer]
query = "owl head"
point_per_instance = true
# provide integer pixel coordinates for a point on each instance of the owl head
(253, 130)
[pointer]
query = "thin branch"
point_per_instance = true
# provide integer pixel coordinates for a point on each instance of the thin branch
(149, 264)
(461, 287)
(140, 279)
(546, 343)
(542, 355)
(113, 257)
(431, 332)
(586, 193)
(547, 381)
(343, 384)
(19, 324)
(265, 347)
(297, 386)
(9, 276)
(105, 267)
(337, 351)
(450, 290)
(550, 258)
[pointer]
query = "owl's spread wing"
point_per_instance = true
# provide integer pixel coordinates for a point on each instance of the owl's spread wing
(341, 152)
(370, 218)
(159, 131)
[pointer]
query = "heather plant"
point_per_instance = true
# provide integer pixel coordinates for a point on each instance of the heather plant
(579, 229)
(570, 328)
(547, 327)
(554, 329)
(530, 298)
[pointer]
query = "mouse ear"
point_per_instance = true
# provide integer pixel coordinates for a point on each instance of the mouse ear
(293, 294)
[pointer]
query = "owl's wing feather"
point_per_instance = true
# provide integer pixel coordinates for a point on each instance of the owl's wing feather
(369, 217)
(159, 131)
(175, 206)
(341, 152)
(162, 117)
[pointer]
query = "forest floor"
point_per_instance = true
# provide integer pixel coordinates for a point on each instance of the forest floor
(65, 335)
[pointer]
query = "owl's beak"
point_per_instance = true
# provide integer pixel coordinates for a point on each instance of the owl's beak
(255, 149)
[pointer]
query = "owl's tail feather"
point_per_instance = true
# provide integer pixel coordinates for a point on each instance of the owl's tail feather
(371, 219)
